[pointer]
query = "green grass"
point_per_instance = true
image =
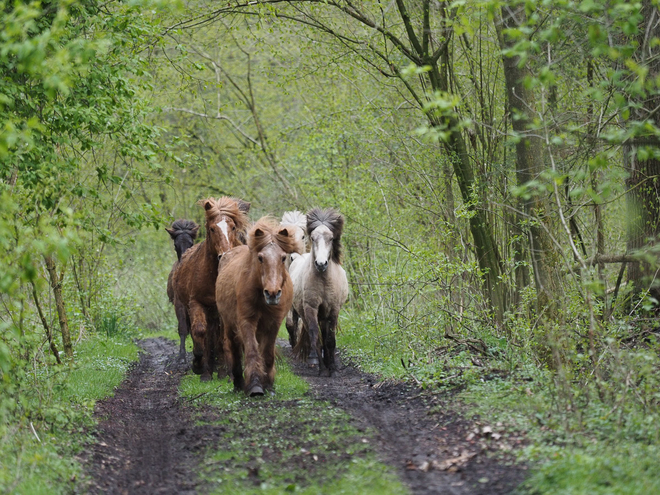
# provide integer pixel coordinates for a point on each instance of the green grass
(283, 443)
(59, 406)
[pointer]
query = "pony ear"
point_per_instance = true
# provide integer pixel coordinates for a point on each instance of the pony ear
(193, 231)
(172, 232)
(258, 233)
(244, 206)
(208, 205)
(284, 232)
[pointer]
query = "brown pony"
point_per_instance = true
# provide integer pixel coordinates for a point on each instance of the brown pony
(183, 233)
(194, 278)
(254, 294)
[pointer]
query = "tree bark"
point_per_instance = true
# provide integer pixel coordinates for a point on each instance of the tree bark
(643, 196)
(56, 285)
(44, 322)
(529, 165)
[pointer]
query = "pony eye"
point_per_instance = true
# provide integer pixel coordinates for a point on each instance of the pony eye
(261, 259)
(283, 259)
(234, 227)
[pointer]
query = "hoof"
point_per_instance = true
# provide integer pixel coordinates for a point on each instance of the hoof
(197, 366)
(206, 377)
(254, 389)
(313, 359)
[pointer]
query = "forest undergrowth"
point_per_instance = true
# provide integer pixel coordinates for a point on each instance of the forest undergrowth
(586, 431)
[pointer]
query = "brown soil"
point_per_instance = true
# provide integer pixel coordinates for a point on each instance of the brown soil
(148, 443)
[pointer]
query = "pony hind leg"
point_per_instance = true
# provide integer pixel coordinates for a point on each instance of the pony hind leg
(182, 317)
(292, 319)
(236, 365)
(200, 364)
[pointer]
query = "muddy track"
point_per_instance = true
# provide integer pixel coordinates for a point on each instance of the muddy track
(145, 442)
(148, 443)
(434, 450)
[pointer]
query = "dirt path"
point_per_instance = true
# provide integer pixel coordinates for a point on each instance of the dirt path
(145, 441)
(148, 443)
(433, 450)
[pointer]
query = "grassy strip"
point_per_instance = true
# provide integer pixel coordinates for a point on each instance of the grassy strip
(284, 443)
(58, 404)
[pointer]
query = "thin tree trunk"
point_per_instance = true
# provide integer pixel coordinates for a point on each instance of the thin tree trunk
(56, 285)
(44, 322)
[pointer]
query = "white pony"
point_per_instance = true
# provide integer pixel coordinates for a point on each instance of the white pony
(320, 288)
(298, 221)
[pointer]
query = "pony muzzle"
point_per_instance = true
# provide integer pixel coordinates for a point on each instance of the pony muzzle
(321, 266)
(272, 299)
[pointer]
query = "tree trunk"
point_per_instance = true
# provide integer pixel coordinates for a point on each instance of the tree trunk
(44, 322)
(529, 165)
(56, 284)
(644, 181)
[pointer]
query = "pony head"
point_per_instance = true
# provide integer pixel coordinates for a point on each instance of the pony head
(325, 228)
(270, 245)
(298, 222)
(226, 221)
(183, 233)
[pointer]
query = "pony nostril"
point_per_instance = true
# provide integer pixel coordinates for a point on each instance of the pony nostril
(279, 292)
(219, 257)
(266, 293)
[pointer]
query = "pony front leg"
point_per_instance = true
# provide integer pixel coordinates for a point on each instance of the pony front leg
(328, 330)
(267, 340)
(254, 368)
(198, 332)
(311, 318)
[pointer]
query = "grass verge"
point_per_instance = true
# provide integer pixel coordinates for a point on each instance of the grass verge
(37, 450)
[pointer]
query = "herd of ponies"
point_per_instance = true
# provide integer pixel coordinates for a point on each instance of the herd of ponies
(232, 291)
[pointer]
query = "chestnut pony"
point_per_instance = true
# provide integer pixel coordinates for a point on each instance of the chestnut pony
(183, 233)
(253, 294)
(194, 278)
(320, 288)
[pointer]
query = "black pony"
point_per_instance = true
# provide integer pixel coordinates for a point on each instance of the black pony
(183, 233)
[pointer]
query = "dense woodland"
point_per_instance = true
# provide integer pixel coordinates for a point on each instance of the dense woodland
(497, 164)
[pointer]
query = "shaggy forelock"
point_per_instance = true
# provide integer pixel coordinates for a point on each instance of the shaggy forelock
(296, 218)
(271, 233)
(184, 227)
(332, 219)
(225, 206)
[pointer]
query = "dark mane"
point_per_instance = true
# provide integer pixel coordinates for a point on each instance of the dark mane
(233, 208)
(332, 219)
(267, 230)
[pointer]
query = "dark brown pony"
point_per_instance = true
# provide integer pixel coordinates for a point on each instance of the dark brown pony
(254, 294)
(183, 233)
(194, 278)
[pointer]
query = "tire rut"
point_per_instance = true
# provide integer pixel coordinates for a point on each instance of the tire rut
(146, 441)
